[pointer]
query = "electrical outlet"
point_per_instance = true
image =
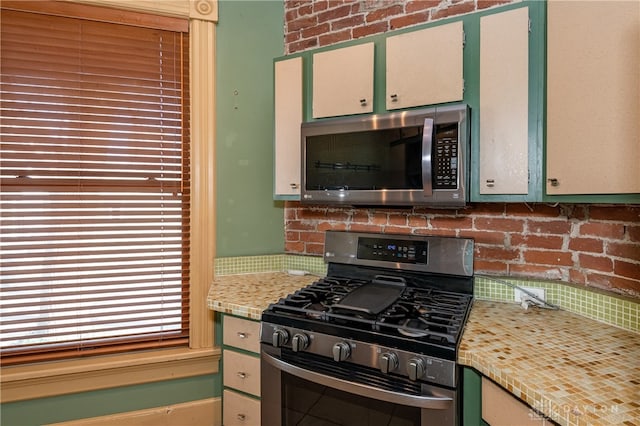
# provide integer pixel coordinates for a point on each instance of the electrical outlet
(539, 292)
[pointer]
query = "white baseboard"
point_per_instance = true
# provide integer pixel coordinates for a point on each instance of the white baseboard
(203, 412)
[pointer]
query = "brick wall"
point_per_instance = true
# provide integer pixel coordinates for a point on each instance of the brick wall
(593, 245)
(590, 245)
(311, 24)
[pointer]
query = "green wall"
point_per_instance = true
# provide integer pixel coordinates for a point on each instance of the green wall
(249, 222)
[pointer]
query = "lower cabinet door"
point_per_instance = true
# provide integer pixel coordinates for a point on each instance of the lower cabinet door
(239, 410)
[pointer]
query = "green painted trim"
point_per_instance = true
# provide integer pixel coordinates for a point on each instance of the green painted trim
(471, 397)
(588, 302)
(109, 401)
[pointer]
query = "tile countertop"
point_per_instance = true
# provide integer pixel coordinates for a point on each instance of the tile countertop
(575, 370)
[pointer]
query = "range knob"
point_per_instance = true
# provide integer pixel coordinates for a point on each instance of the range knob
(299, 342)
(279, 338)
(388, 362)
(415, 368)
(341, 351)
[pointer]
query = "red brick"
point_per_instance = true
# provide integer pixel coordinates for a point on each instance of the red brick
(548, 257)
(603, 230)
(552, 242)
(634, 233)
(576, 211)
(312, 237)
(416, 5)
(456, 9)
(577, 277)
(312, 214)
(549, 226)
(333, 38)
(312, 248)
(537, 210)
(307, 9)
(595, 263)
(484, 4)
(408, 20)
(292, 236)
(366, 30)
(497, 253)
(498, 224)
(535, 271)
(417, 221)
(291, 15)
(348, 22)
(337, 215)
(381, 14)
(590, 245)
(378, 218)
(291, 37)
(303, 45)
(617, 284)
(320, 5)
(403, 230)
(398, 219)
(332, 14)
(361, 227)
(626, 269)
(488, 266)
(314, 31)
(486, 208)
(617, 213)
(302, 23)
(435, 232)
(360, 216)
(460, 222)
(630, 251)
(331, 226)
(484, 237)
(297, 225)
(294, 247)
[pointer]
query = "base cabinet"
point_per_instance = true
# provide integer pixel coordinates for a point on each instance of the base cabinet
(500, 408)
(240, 372)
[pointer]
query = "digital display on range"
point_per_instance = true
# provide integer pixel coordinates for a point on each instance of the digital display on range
(391, 250)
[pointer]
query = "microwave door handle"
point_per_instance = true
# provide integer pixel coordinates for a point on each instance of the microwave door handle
(427, 146)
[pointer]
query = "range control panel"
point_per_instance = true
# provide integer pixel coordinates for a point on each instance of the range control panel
(392, 250)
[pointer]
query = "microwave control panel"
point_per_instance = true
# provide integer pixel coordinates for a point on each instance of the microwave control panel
(445, 163)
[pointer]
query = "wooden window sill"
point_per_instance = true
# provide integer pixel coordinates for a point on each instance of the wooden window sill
(81, 375)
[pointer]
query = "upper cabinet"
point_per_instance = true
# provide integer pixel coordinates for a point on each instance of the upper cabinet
(504, 103)
(425, 67)
(288, 117)
(343, 81)
(593, 98)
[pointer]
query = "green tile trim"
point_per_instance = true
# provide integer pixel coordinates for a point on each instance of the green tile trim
(591, 303)
(248, 264)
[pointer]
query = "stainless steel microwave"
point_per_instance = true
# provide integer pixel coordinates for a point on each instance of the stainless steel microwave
(406, 158)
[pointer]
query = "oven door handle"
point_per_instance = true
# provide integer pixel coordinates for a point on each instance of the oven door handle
(432, 402)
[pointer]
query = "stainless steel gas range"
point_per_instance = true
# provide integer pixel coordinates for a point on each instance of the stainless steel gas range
(375, 341)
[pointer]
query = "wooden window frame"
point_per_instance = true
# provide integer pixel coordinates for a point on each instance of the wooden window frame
(80, 375)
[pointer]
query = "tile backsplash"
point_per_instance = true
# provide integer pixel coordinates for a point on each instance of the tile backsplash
(591, 303)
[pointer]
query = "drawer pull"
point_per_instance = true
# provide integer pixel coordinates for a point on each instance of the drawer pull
(241, 417)
(243, 335)
(242, 375)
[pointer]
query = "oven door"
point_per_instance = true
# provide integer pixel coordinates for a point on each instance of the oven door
(303, 392)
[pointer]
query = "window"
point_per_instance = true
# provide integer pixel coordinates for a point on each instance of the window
(94, 190)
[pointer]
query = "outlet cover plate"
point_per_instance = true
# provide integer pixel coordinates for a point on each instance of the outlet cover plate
(539, 292)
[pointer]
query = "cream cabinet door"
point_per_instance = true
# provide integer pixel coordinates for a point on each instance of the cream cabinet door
(343, 81)
(288, 117)
(504, 102)
(500, 408)
(425, 67)
(593, 97)
(241, 372)
(239, 410)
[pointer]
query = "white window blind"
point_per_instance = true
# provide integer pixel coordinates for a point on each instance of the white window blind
(94, 231)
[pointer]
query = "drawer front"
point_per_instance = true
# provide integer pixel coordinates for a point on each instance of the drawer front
(241, 333)
(241, 372)
(239, 410)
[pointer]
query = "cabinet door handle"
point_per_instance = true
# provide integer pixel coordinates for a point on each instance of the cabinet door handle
(394, 98)
(363, 102)
(242, 375)
(241, 417)
(243, 335)
(490, 183)
(293, 185)
(554, 182)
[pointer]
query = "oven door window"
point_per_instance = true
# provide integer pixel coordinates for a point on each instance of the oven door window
(308, 404)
